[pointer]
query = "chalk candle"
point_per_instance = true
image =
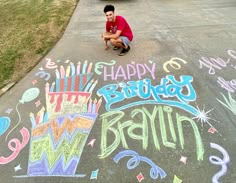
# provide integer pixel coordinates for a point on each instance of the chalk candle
(41, 115)
(93, 86)
(52, 87)
(74, 84)
(88, 85)
(72, 66)
(85, 108)
(94, 106)
(78, 68)
(47, 88)
(62, 72)
(90, 106)
(32, 119)
(67, 74)
(84, 67)
(57, 80)
(37, 118)
(90, 67)
(98, 104)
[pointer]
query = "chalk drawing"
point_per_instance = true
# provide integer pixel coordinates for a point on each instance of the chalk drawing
(129, 71)
(16, 146)
(4, 124)
(91, 143)
(140, 177)
(177, 180)
(148, 94)
(113, 124)
(17, 168)
(183, 159)
(43, 74)
(173, 63)
(229, 103)
(50, 64)
(94, 174)
(9, 110)
(37, 103)
(133, 162)
(232, 54)
(212, 64)
(230, 86)
(27, 96)
(34, 82)
(60, 130)
(220, 162)
(100, 65)
(216, 63)
(212, 130)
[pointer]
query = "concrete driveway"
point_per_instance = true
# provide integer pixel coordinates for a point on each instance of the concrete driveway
(165, 112)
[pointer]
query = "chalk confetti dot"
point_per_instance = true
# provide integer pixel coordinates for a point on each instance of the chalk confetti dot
(94, 174)
(37, 103)
(9, 110)
(176, 180)
(183, 159)
(34, 82)
(91, 143)
(140, 177)
(17, 168)
(212, 130)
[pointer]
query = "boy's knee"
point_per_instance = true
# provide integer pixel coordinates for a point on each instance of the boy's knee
(113, 41)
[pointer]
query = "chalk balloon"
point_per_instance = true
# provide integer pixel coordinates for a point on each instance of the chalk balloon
(29, 95)
(4, 124)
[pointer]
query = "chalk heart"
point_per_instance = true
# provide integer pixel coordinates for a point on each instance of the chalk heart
(4, 124)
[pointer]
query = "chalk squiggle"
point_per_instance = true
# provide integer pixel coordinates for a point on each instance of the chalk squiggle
(99, 65)
(217, 161)
(155, 171)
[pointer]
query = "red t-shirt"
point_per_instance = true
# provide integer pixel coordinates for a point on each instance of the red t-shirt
(120, 24)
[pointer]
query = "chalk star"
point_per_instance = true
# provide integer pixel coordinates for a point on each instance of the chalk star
(140, 177)
(203, 116)
(183, 159)
(17, 168)
(94, 174)
(91, 143)
(9, 110)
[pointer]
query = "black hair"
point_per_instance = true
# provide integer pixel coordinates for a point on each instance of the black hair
(109, 8)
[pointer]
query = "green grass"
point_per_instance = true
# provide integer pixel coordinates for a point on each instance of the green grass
(28, 30)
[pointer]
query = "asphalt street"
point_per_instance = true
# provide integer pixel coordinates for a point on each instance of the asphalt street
(164, 112)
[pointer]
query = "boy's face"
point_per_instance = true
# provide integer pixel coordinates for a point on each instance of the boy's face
(110, 16)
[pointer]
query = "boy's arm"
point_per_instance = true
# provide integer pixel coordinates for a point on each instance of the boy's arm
(113, 36)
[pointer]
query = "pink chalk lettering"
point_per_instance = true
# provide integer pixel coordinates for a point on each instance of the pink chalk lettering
(15, 146)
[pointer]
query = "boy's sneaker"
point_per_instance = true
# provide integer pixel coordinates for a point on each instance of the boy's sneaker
(124, 51)
(116, 48)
